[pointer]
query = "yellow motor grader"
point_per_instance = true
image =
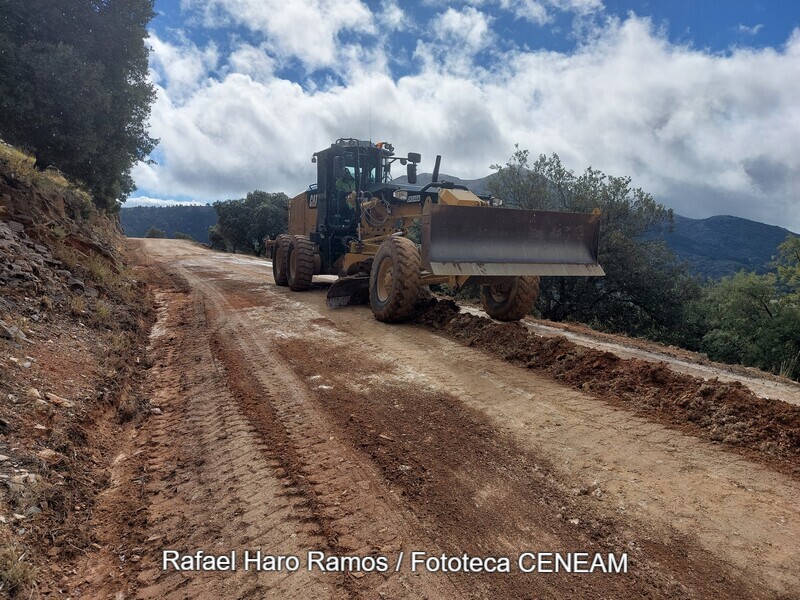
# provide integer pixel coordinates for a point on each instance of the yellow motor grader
(356, 223)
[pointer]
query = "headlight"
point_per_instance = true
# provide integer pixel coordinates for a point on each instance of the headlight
(400, 195)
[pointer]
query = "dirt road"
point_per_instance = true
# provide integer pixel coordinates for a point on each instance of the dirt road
(286, 427)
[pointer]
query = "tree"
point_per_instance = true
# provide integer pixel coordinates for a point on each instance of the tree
(787, 265)
(243, 224)
(645, 292)
(751, 322)
(74, 88)
(154, 232)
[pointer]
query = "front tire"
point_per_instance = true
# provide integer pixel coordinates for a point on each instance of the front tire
(279, 262)
(510, 300)
(394, 285)
(300, 263)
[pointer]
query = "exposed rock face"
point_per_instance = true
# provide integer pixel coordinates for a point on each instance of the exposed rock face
(26, 264)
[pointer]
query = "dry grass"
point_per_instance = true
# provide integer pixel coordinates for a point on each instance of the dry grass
(77, 306)
(23, 167)
(16, 574)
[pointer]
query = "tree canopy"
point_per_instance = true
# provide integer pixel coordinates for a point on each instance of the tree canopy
(74, 88)
(243, 224)
(755, 319)
(645, 290)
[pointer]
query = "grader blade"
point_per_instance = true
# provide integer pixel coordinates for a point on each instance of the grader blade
(348, 291)
(492, 241)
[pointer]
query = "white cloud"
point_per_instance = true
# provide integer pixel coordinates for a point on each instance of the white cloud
(147, 201)
(705, 133)
(392, 16)
(467, 29)
(750, 30)
(181, 67)
(306, 30)
(253, 61)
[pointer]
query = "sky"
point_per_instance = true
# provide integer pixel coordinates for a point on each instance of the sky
(697, 101)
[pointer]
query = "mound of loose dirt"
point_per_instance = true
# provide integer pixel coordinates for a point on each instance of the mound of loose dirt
(727, 413)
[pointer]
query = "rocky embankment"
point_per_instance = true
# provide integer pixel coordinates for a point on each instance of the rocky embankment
(73, 321)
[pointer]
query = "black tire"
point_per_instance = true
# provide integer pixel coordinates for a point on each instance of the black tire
(394, 285)
(300, 263)
(510, 300)
(279, 263)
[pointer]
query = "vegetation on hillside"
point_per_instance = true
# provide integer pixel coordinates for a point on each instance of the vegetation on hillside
(747, 318)
(645, 291)
(755, 319)
(74, 88)
(190, 220)
(243, 224)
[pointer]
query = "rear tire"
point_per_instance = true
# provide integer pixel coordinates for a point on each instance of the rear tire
(279, 262)
(394, 285)
(510, 300)
(300, 263)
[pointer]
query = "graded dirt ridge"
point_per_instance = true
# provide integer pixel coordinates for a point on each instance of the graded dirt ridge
(725, 412)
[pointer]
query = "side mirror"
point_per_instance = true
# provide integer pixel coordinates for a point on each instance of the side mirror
(338, 166)
(411, 173)
(414, 157)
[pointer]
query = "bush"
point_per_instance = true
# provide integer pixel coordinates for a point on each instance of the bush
(154, 232)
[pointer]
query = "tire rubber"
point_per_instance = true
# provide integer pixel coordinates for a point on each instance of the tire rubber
(300, 272)
(403, 290)
(519, 301)
(279, 255)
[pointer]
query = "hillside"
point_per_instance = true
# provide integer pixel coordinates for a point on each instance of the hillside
(191, 220)
(73, 324)
(723, 245)
(714, 247)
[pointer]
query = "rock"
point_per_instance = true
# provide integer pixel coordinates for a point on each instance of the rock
(59, 401)
(23, 219)
(4, 458)
(32, 392)
(12, 332)
(91, 292)
(32, 511)
(41, 406)
(15, 226)
(27, 364)
(5, 426)
(156, 411)
(75, 284)
(49, 456)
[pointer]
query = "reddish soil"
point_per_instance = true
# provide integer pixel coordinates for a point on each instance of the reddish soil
(727, 413)
(286, 427)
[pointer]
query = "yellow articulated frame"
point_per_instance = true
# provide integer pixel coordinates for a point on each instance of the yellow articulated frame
(400, 218)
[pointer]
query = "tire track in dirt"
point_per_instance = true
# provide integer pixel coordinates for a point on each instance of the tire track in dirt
(342, 490)
(698, 527)
(213, 482)
(453, 483)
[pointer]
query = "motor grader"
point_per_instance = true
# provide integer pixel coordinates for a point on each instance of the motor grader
(355, 222)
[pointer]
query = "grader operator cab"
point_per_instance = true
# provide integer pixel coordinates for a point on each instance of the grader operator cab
(355, 223)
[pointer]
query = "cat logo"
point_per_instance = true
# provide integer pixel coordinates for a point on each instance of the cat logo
(312, 200)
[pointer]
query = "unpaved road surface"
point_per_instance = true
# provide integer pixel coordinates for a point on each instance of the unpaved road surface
(287, 427)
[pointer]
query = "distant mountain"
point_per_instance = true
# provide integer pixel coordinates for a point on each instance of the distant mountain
(476, 185)
(714, 247)
(191, 220)
(723, 245)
